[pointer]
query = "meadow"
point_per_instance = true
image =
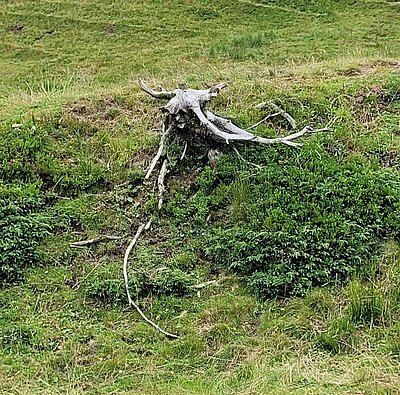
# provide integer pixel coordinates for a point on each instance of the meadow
(304, 248)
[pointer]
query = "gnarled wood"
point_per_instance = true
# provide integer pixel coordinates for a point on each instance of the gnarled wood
(187, 113)
(193, 102)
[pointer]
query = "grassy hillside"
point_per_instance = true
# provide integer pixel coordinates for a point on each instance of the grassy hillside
(305, 248)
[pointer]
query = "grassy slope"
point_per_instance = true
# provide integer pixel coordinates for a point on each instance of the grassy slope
(79, 61)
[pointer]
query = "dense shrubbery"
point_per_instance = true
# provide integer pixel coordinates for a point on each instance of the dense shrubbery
(23, 157)
(21, 230)
(106, 285)
(23, 153)
(28, 168)
(305, 219)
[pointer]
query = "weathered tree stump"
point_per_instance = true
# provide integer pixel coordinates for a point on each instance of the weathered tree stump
(187, 116)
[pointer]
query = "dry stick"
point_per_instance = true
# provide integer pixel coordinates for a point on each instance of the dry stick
(79, 282)
(203, 285)
(244, 160)
(92, 241)
(160, 183)
(184, 151)
(160, 152)
(238, 134)
(264, 119)
(125, 272)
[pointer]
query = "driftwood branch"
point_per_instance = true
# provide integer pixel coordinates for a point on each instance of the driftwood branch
(203, 285)
(98, 239)
(184, 151)
(160, 183)
(193, 103)
(264, 120)
(125, 273)
(187, 112)
(160, 152)
(161, 94)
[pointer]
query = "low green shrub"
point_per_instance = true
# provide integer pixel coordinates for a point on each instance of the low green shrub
(172, 282)
(22, 228)
(305, 219)
(24, 153)
(106, 284)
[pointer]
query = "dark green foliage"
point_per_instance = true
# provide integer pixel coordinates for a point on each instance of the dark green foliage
(305, 219)
(23, 153)
(21, 229)
(106, 284)
(172, 282)
(24, 160)
(19, 336)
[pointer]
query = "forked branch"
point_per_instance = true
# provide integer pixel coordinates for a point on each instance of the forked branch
(192, 103)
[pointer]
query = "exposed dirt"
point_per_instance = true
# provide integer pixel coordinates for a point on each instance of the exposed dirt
(369, 103)
(106, 112)
(17, 28)
(368, 68)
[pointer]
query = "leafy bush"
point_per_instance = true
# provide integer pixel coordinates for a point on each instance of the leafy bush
(305, 219)
(107, 286)
(21, 229)
(106, 290)
(23, 153)
(172, 282)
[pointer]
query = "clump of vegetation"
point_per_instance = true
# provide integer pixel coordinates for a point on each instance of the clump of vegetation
(24, 153)
(105, 285)
(22, 227)
(305, 219)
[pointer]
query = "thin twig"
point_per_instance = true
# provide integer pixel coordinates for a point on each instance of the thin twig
(264, 119)
(279, 110)
(125, 272)
(184, 151)
(203, 285)
(92, 241)
(160, 183)
(244, 160)
(78, 283)
(160, 152)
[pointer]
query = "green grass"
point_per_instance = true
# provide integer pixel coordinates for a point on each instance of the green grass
(74, 170)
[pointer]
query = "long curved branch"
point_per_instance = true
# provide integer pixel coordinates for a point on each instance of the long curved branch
(125, 273)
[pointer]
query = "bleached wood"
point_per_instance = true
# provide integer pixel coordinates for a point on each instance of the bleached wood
(126, 279)
(193, 102)
(97, 239)
(160, 183)
(160, 152)
(162, 94)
